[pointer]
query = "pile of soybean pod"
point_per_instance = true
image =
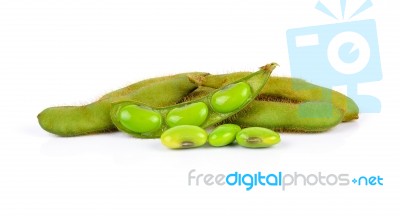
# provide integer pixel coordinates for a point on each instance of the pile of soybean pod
(247, 108)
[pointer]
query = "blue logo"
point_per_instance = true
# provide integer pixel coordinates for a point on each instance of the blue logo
(340, 54)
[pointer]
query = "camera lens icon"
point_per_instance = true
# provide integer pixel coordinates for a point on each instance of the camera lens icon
(340, 54)
(348, 52)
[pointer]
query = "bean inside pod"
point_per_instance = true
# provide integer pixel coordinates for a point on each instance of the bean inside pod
(231, 97)
(139, 119)
(191, 114)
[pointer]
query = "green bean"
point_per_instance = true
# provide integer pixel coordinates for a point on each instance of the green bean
(221, 104)
(283, 88)
(184, 115)
(148, 121)
(95, 117)
(257, 137)
(184, 136)
(228, 99)
(223, 135)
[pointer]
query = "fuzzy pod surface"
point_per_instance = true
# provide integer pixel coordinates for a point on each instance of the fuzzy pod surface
(95, 117)
(288, 117)
(296, 90)
(282, 114)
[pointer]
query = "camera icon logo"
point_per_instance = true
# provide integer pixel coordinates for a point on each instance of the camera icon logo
(336, 55)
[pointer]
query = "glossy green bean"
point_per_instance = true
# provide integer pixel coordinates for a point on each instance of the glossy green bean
(257, 137)
(184, 137)
(223, 135)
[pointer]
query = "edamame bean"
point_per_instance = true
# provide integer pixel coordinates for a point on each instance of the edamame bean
(95, 117)
(223, 135)
(184, 136)
(139, 119)
(231, 97)
(257, 137)
(192, 112)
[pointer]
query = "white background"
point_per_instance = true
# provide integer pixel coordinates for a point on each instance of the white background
(71, 52)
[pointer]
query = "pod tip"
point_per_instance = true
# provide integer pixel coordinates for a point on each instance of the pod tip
(269, 67)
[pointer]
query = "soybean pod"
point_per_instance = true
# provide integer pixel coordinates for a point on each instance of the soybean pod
(141, 120)
(95, 117)
(282, 115)
(127, 90)
(287, 89)
(289, 117)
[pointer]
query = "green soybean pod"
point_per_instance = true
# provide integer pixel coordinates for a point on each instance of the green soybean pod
(203, 112)
(223, 135)
(127, 90)
(300, 91)
(282, 114)
(289, 117)
(95, 117)
(287, 89)
(184, 136)
(257, 137)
